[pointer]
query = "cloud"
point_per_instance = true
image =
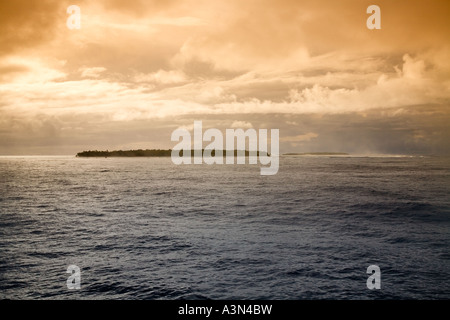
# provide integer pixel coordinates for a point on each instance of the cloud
(40, 91)
(241, 125)
(300, 138)
(137, 8)
(423, 130)
(410, 86)
(93, 72)
(25, 25)
(188, 127)
(25, 69)
(162, 77)
(412, 69)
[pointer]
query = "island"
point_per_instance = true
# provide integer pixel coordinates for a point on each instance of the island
(153, 153)
(126, 153)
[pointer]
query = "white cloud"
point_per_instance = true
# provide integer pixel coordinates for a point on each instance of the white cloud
(129, 101)
(35, 70)
(412, 69)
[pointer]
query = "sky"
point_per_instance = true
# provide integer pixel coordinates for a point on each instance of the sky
(137, 70)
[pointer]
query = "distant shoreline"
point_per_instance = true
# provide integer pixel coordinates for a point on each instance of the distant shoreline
(151, 153)
(126, 153)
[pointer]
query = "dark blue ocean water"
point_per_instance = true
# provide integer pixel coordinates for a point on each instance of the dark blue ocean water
(143, 228)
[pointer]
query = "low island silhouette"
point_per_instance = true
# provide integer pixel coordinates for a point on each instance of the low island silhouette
(168, 153)
(154, 153)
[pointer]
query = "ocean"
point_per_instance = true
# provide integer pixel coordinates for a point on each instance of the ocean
(144, 228)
